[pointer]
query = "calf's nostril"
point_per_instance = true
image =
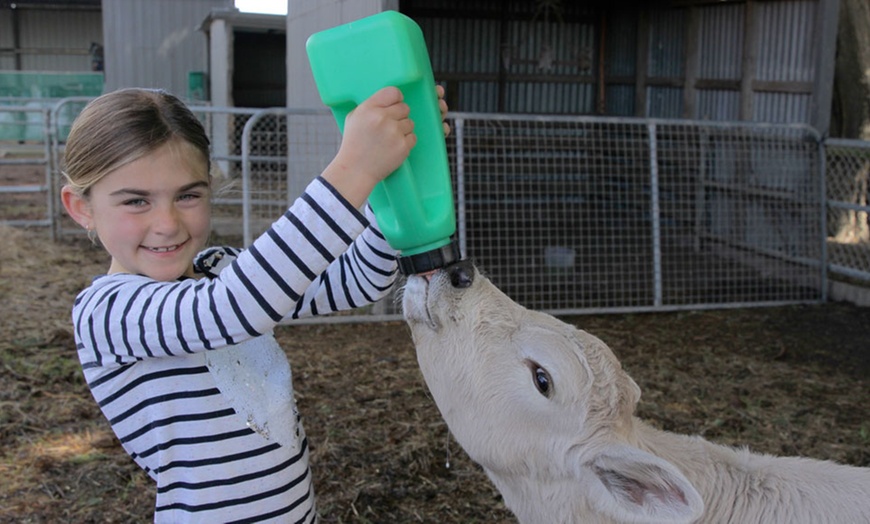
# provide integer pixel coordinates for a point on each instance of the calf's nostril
(461, 274)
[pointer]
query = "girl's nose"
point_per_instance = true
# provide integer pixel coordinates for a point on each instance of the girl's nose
(166, 220)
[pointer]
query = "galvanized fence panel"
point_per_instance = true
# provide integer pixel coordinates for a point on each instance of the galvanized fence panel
(283, 150)
(847, 175)
(579, 215)
(574, 214)
(26, 190)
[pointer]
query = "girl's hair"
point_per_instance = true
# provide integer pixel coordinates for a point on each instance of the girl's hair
(125, 125)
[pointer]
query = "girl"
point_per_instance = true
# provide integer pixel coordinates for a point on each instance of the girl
(175, 342)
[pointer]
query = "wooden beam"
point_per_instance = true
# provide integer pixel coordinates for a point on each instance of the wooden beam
(750, 57)
(640, 82)
(601, 106)
(827, 18)
(692, 61)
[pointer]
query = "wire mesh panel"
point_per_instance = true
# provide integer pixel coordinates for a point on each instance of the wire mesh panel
(586, 214)
(848, 227)
(26, 196)
(740, 214)
(554, 210)
(282, 152)
(224, 127)
(265, 191)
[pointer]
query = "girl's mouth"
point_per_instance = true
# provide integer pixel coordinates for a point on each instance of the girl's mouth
(165, 249)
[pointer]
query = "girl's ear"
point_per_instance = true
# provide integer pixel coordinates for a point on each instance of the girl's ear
(77, 206)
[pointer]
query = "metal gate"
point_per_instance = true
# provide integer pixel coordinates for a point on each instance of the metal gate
(565, 214)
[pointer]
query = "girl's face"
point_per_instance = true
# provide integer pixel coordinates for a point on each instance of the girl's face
(153, 214)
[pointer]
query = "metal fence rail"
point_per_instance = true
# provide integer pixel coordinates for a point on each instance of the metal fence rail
(578, 215)
(570, 214)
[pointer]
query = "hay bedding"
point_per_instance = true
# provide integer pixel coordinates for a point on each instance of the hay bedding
(791, 380)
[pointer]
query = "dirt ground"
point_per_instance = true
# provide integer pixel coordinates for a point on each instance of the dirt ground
(786, 380)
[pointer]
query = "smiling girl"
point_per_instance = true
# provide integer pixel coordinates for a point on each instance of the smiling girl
(175, 341)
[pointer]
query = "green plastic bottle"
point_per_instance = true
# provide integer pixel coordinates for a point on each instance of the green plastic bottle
(414, 204)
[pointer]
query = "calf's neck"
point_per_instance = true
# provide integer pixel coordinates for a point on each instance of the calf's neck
(548, 412)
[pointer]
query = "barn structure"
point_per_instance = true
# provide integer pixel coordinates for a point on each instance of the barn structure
(636, 154)
(756, 60)
(746, 60)
(201, 50)
(606, 155)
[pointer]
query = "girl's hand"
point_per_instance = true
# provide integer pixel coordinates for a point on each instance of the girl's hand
(378, 136)
(442, 105)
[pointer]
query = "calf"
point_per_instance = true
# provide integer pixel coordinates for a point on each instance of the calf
(548, 412)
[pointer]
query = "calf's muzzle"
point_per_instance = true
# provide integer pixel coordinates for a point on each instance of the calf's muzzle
(461, 274)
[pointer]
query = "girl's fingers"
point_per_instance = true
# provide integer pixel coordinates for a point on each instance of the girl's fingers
(407, 126)
(386, 97)
(442, 106)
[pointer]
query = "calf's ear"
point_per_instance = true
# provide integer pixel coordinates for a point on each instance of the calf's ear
(631, 485)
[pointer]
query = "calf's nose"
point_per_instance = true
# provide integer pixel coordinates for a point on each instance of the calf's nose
(461, 274)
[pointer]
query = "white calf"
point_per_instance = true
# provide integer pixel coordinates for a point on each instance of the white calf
(548, 412)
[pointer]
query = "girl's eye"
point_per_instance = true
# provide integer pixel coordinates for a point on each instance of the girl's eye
(193, 194)
(135, 202)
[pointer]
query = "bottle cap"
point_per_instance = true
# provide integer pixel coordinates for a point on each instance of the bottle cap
(429, 260)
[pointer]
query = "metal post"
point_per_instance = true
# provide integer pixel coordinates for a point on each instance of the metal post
(246, 178)
(823, 221)
(655, 215)
(53, 216)
(459, 128)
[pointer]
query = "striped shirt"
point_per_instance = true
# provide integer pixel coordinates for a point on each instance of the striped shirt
(191, 378)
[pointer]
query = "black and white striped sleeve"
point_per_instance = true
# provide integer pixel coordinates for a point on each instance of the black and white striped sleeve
(362, 275)
(123, 318)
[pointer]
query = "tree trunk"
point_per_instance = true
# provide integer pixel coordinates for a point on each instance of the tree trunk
(851, 111)
(850, 115)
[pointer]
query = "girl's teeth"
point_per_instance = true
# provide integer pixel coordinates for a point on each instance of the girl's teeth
(163, 249)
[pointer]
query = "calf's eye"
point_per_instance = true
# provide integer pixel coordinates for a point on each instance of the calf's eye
(542, 379)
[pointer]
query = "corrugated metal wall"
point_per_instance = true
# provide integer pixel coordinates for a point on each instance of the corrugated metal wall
(721, 58)
(665, 63)
(50, 39)
(7, 59)
(721, 41)
(155, 43)
(514, 57)
(525, 64)
(620, 63)
(667, 43)
(509, 57)
(787, 50)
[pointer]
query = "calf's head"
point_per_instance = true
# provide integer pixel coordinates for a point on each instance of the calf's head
(530, 397)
